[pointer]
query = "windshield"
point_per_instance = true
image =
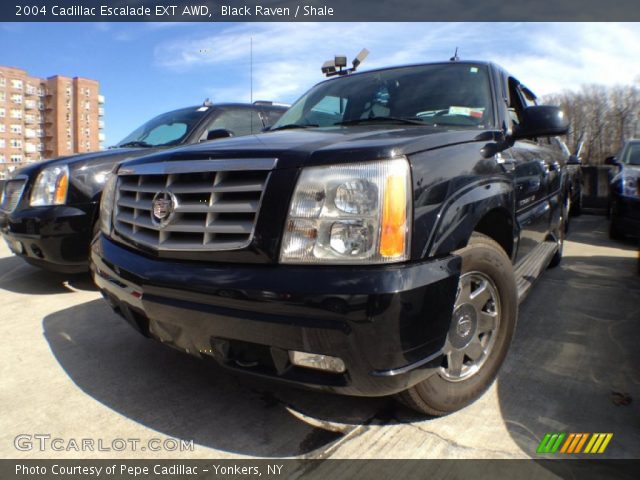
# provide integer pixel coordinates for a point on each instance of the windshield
(632, 154)
(164, 130)
(442, 94)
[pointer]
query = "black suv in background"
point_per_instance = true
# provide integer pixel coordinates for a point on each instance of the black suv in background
(624, 201)
(48, 210)
(376, 241)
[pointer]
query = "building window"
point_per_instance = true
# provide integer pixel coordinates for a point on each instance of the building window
(16, 98)
(3, 97)
(3, 128)
(16, 128)
(17, 84)
(2, 112)
(16, 158)
(15, 113)
(16, 143)
(2, 158)
(3, 82)
(3, 143)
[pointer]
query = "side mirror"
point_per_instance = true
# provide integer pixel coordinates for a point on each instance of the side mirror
(541, 121)
(573, 160)
(217, 133)
(611, 160)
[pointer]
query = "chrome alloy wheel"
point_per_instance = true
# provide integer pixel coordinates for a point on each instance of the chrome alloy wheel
(474, 327)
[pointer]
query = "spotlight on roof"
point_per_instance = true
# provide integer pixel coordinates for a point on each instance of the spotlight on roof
(338, 65)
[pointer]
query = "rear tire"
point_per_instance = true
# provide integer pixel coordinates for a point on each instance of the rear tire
(486, 325)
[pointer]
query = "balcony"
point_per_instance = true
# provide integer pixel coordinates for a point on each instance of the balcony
(30, 121)
(30, 90)
(101, 124)
(101, 137)
(101, 99)
(29, 133)
(101, 112)
(30, 148)
(30, 105)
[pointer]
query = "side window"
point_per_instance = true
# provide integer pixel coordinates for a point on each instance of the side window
(516, 103)
(271, 116)
(238, 121)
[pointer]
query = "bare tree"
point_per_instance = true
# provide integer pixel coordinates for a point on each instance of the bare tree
(601, 118)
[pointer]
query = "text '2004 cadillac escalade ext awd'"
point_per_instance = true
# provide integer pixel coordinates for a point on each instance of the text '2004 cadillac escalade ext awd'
(376, 241)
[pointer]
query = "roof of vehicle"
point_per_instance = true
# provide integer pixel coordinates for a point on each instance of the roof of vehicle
(409, 65)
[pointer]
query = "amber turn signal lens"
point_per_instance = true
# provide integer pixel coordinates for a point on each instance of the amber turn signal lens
(394, 217)
(61, 189)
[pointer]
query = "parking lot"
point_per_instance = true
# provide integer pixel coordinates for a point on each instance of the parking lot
(72, 369)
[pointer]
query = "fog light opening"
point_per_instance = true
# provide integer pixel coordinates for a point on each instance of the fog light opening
(317, 361)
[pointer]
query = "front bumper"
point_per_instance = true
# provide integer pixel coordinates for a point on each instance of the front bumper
(388, 324)
(54, 237)
(625, 214)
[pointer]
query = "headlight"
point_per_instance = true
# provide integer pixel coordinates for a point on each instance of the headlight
(51, 187)
(354, 213)
(106, 203)
(630, 186)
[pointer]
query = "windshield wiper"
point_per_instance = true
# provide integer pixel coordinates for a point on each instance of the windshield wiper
(293, 125)
(357, 121)
(135, 143)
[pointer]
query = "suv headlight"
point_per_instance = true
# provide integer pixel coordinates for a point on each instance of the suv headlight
(630, 186)
(51, 187)
(106, 203)
(353, 213)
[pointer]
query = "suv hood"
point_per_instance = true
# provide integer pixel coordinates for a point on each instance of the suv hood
(316, 146)
(94, 161)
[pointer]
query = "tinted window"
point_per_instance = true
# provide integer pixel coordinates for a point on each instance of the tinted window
(239, 121)
(447, 94)
(632, 154)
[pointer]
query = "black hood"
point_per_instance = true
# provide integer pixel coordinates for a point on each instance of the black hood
(315, 146)
(87, 171)
(94, 160)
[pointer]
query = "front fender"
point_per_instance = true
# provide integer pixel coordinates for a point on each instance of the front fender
(462, 212)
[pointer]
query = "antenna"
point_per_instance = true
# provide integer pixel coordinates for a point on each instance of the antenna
(251, 78)
(455, 57)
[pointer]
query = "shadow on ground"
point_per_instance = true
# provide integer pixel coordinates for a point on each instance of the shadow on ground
(186, 398)
(19, 277)
(574, 363)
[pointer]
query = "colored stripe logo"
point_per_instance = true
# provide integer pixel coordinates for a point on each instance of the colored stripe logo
(571, 443)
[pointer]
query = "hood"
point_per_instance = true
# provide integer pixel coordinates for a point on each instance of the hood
(92, 160)
(88, 171)
(316, 146)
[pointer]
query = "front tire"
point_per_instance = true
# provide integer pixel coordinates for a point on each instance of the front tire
(482, 326)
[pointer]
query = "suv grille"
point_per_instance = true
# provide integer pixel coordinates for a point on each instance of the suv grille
(191, 205)
(11, 194)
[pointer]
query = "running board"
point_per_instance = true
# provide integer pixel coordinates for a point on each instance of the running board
(530, 268)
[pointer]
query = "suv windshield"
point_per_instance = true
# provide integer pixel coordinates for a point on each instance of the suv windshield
(164, 130)
(632, 154)
(439, 94)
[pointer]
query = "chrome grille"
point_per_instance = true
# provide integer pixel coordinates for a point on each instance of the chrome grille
(214, 203)
(11, 194)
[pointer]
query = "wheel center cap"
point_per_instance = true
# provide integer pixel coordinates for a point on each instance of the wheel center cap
(463, 325)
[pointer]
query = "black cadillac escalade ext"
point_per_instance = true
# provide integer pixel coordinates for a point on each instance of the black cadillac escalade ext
(377, 240)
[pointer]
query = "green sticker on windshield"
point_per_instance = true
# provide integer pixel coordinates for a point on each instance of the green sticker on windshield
(473, 69)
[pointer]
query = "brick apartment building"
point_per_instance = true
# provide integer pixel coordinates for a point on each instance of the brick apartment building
(46, 118)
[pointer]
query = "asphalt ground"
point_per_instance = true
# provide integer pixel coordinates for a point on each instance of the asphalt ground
(73, 370)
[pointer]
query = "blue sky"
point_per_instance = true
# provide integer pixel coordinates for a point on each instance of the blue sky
(145, 69)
